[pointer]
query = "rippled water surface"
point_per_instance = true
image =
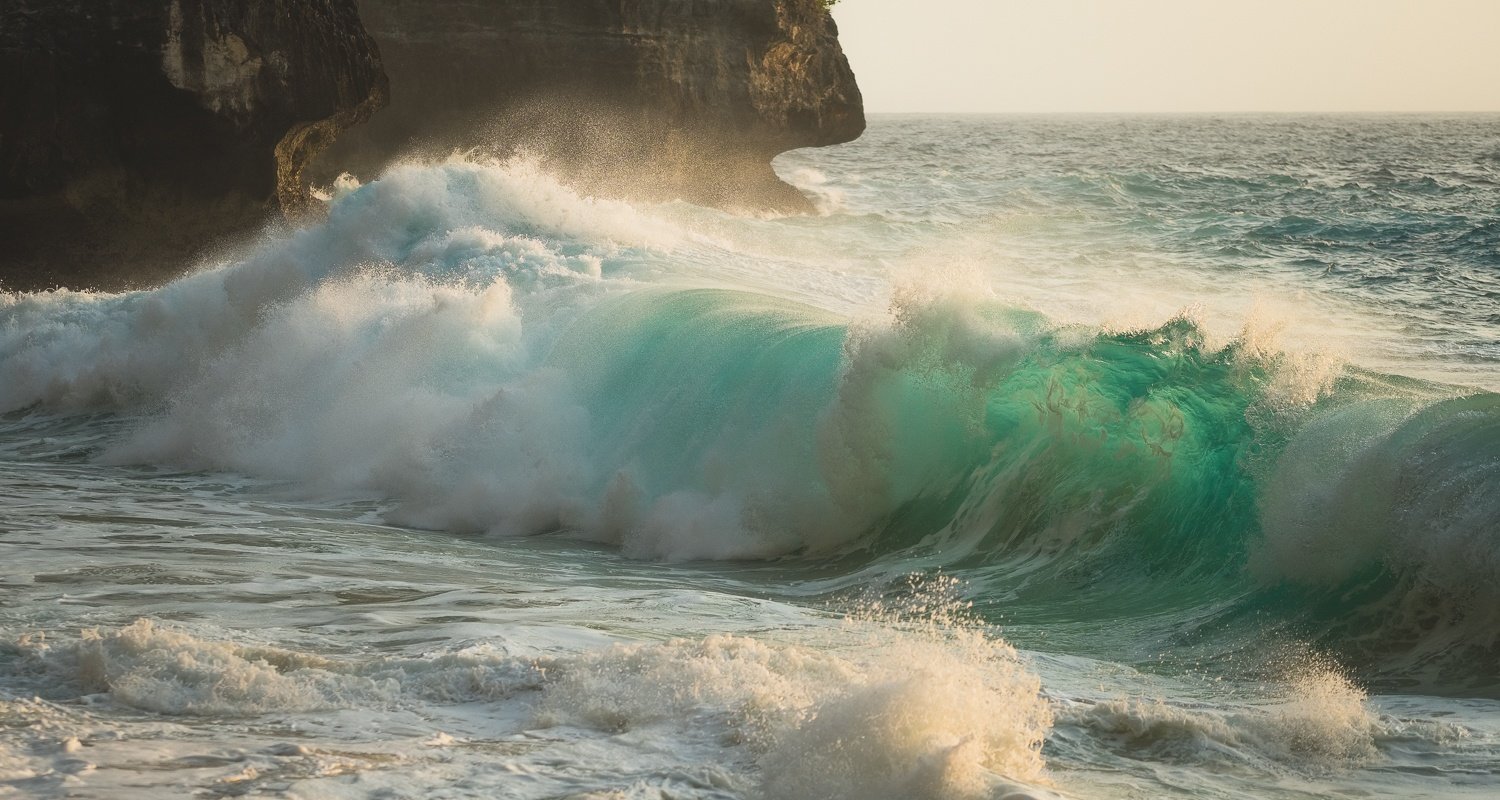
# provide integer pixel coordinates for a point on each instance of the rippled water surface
(1084, 457)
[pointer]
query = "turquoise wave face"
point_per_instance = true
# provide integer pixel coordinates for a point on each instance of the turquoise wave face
(1144, 479)
(483, 351)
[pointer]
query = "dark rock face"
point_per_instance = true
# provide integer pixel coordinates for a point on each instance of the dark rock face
(133, 133)
(655, 98)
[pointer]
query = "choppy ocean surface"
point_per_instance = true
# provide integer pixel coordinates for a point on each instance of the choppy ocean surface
(1084, 457)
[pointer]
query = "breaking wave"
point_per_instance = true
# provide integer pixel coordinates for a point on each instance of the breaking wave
(485, 351)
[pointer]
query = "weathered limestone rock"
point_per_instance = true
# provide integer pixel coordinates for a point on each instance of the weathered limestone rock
(133, 133)
(655, 98)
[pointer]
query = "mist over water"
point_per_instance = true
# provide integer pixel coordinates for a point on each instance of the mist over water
(1075, 456)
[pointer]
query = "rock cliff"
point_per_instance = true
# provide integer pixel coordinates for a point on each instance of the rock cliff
(661, 98)
(136, 134)
(133, 133)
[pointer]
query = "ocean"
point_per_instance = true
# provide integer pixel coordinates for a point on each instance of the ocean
(1055, 457)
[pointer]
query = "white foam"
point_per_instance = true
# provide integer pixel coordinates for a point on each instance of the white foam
(1314, 718)
(909, 707)
(173, 671)
(450, 221)
(827, 197)
(1399, 482)
(888, 706)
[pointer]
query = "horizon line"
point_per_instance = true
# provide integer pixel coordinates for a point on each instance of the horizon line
(1193, 113)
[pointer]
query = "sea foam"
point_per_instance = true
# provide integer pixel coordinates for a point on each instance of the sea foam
(914, 700)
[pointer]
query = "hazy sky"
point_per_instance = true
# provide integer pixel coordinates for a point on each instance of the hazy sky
(1174, 55)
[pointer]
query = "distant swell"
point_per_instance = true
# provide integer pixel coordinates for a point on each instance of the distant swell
(487, 352)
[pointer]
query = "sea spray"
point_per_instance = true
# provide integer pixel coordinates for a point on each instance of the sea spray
(1052, 376)
(475, 347)
(1307, 715)
(912, 699)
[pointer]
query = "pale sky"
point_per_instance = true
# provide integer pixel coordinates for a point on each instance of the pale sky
(1174, 55)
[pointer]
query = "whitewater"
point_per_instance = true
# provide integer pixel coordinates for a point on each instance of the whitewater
(1054, 457)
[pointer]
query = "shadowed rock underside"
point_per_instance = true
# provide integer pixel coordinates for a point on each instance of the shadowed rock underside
(640, 98)
(136, 133)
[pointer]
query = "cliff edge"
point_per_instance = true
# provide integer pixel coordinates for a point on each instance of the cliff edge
(660, 99)
(137, 134)
(134, 133)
